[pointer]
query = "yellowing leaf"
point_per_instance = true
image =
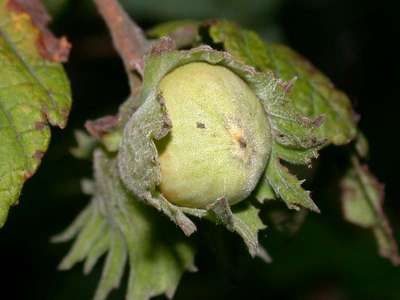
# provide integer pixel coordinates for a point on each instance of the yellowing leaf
(34, 90)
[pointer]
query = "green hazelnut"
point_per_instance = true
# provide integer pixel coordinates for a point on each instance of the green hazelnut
(220, 139)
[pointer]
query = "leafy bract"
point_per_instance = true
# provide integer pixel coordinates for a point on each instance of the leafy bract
(34, 90)
(362, 202)
(312, 93)
(242, 219)
(138, 158)
(130, 232)
(298, 134)
(287, 186)
(305, 113)
(309, 91)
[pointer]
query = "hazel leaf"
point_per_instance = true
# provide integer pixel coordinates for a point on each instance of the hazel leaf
(34, 91)
(313, 94)
(362, 201)
(244, 45)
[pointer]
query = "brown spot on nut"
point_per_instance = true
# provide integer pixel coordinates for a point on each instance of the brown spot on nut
(200, 125)
(242, 143)
(237, 134)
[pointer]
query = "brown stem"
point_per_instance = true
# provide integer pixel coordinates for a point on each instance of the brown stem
(128, 37)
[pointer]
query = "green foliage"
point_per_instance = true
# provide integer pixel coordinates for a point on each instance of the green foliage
(243, 219)
(362, 201)
(34, 90)
(138, 152)
(312, 93)
(305, 91)
(303, 109)
(305, 113)
(131, 232)
(287, 186)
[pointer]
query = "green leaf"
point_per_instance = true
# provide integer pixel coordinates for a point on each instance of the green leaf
(362, 201)
(158, 253)
(34, 90)
(244, 45)
(312, 93)
(127, 229)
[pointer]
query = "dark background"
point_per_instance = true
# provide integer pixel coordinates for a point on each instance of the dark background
(353, 42)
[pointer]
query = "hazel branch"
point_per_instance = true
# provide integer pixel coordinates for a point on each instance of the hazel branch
(128, 37)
